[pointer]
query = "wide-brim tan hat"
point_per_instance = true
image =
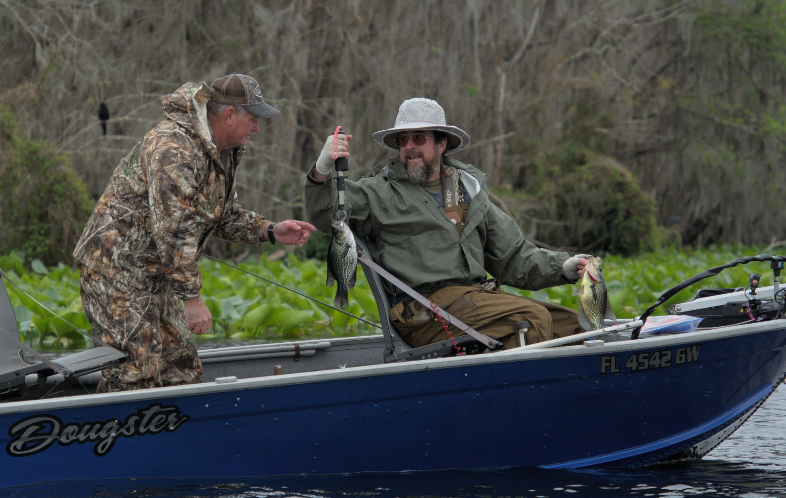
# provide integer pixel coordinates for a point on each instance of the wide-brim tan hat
(422, 114)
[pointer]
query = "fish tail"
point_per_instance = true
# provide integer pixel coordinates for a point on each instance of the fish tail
(342, 299)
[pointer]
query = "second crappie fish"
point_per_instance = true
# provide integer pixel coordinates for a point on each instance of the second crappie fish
(342, 262)
(594, 303)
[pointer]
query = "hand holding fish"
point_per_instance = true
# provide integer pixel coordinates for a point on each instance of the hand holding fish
(574, 266)
(326, 159)
(292, 232)
(594, 304)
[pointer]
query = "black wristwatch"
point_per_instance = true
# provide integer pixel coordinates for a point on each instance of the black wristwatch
(271, 237)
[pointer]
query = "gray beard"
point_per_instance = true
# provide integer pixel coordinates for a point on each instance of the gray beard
(419, 176)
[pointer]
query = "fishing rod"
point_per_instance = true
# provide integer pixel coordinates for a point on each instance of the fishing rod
(292, 290)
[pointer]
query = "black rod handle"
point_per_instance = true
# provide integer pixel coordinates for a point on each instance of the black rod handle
(342, 163)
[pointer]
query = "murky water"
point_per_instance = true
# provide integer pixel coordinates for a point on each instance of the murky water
(750, 464)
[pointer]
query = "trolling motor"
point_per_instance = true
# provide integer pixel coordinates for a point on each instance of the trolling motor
(727, 312)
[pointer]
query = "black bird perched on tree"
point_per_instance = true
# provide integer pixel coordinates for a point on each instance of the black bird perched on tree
(103, 115)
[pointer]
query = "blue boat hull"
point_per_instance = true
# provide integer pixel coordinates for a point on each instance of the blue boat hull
(627, 403)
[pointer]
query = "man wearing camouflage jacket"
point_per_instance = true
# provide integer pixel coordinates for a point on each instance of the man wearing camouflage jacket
(140, 281)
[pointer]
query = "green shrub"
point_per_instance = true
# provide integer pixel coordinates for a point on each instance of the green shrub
(45, 204)
(594, 203)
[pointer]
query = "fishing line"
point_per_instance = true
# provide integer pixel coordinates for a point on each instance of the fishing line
(96, 340)
(292, 290)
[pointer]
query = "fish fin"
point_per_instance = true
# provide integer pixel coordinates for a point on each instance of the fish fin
(583, 321)
(577, 292)
(342, 299)
(610, 312)
(353, 279)
(331, 279)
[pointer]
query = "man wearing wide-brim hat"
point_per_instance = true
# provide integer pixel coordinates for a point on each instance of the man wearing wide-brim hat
(428, 220)
(140, 281)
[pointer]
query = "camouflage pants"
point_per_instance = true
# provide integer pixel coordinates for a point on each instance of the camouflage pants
(150, 328)
(490, 312)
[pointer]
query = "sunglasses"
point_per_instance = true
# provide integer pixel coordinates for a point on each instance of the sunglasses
(418, 138)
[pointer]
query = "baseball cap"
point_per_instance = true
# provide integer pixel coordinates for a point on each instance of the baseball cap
(242, 90)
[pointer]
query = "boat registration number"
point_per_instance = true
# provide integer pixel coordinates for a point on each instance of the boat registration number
(665, 358)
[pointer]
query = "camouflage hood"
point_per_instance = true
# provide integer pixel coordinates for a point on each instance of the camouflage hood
(187, 106)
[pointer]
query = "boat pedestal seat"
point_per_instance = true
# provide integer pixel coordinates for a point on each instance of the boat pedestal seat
(396, 348)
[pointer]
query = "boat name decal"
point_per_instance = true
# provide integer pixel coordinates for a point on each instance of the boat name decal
(650, 360)
(34, 434)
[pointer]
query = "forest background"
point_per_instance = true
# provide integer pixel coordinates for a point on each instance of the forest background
(604, 126)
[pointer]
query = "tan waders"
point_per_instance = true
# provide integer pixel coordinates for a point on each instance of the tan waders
(486, 310)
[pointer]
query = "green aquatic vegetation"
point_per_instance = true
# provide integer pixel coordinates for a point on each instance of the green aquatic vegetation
(634, 283)
(243, 307)
(57, 288)
(247, 308)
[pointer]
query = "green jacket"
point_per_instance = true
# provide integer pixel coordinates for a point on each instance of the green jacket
(411, 236)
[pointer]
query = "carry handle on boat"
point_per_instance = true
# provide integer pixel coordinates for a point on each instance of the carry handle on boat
(776, 263)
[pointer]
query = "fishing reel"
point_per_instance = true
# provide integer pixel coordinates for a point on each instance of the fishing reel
(750, 292)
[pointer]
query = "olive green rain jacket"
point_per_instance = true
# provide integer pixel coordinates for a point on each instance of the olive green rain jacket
(411, 236)
(165, 199)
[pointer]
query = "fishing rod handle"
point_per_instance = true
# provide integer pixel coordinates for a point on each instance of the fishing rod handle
(342, 164)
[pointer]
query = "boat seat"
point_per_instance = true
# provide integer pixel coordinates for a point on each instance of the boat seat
(396, 348)
(14, 369)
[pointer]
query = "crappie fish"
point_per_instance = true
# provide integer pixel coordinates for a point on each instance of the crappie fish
(342, 262)
(594, 303)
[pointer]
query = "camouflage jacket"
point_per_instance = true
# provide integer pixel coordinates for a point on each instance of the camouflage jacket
(165, 199)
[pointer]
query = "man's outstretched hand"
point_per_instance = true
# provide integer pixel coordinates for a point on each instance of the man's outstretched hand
(293, 232)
